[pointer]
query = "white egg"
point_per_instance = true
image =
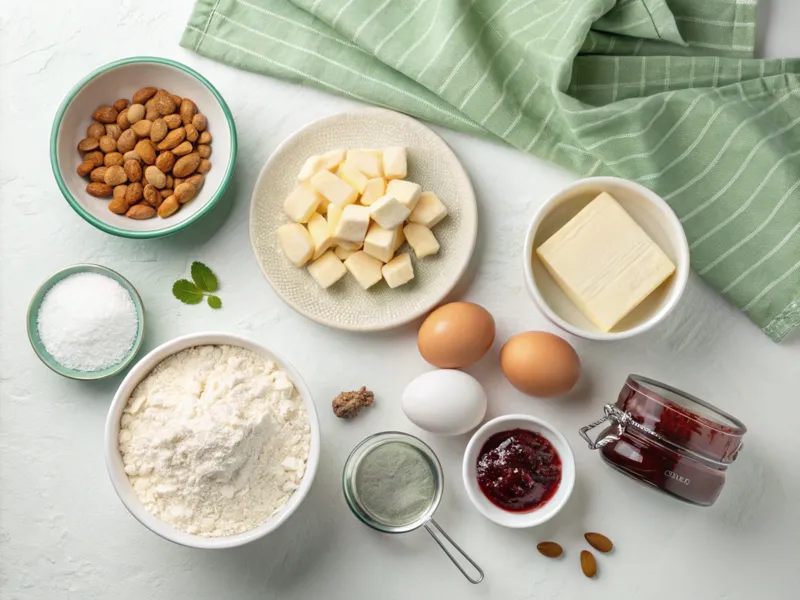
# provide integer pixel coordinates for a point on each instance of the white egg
(447, 402)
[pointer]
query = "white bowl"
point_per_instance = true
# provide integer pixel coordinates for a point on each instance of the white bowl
(121, 79)
(652, 214)
(431, 163)
(116, 469)
(518, 519)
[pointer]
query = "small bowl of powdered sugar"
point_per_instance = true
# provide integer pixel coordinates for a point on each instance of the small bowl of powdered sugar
(86, 322)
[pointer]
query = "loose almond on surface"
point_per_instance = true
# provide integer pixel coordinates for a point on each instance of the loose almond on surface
(588, 564)
(550, 549)
(599, 542)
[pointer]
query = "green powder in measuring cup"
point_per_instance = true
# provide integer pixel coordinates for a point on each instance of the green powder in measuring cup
(395, 483)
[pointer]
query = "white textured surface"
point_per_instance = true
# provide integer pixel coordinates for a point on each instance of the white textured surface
(65, 535)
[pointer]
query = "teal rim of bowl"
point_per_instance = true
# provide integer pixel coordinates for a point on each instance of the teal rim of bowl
(126, 232)
(33, 326)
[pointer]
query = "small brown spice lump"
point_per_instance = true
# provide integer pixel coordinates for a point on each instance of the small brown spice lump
(347, 404)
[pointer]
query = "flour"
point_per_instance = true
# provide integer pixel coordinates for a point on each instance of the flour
(215, 440)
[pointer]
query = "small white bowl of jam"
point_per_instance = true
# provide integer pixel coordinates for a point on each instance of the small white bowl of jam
(518, 471)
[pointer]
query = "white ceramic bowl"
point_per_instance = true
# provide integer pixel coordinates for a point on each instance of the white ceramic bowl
(121, 79)
(116, 469)
(431, 163)
(518, 519)
(652, 214)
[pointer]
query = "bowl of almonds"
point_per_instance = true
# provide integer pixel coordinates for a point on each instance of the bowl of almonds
(143, 147)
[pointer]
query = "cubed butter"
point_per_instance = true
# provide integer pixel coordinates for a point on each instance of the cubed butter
(353, 177)
(388, 212)
(327, 269)
(353, 224)
(301, 204)
(421, 239)
(332, 159)
(374, 189)
(321, 234)
(296, 243)
(344, 253)
(311, 166)
(429, 210)
(605, 262)
(401, 239)
(333, 188)
(348, 245)
(322, 208)
(366, 269)
(406, 192)
(366, 161)
(380, 242)
(334, 214)
(398, 271)
(394, 163)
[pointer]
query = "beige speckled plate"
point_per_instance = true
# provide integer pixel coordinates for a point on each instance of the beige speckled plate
(431, 163)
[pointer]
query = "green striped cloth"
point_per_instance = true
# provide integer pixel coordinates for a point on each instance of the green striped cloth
(663, 92)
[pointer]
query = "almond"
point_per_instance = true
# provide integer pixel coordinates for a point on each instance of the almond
(165, 161)
(186, 165)
(170, 182)
(152, 196)
(184, 148)
(85, 168)
(98, 190)
(113, 159)
(115, 175)
(204, 166)
(144, 94)
(177, 100)
(191, 133)
(127, 141)
(173, 138)
(142, 128)
(105, 114)
(173, 121)
(122, 120)
(121, 104)
(197, 180)
(134, 193)
(96, 130)
(141, 212)
(168, 207)
(132, 155)
(107, 144)
(588, 564)
(150, 111)
(146, 150)
(204, 150)
(113, 130)
(187, 111)
(166, 192)
(133, 170)
(205, 138)
(87, 144)
(154, 176)
(599, 542)
(118, 205)
(200, 122)
(120, 190)
(164, 103)
(135, 113)
(95, 156)
(159, 130)
(550, 549)
(98, 175)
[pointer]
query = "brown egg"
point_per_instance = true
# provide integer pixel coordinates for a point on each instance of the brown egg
(540, 364)
(456, 335)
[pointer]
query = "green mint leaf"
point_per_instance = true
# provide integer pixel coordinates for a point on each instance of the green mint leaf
(204, 277)
(214, 302)
(187, 292)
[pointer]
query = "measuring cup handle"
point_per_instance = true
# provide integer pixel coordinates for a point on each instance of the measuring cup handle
(455, 561)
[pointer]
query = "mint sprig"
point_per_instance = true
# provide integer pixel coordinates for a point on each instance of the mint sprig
(193, 292)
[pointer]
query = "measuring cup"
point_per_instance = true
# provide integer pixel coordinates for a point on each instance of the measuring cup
(423, 519)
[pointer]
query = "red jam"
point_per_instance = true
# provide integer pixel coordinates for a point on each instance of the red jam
(518, 470)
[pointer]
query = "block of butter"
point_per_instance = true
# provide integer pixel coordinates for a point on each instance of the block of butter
(605, 262)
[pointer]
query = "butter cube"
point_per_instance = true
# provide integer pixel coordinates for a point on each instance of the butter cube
(353, 177)
(394, 162)
(322, 207)
(605, 262)
(348, 245)
(311, 166)
(301, 204)
(332, 159)
(352, 226)
(333, 188)
(367, 161)
(334, 214)
(429, 210)
(321, 234)
(364, 268)
(344, 253)
(421, 239)
(296, 243)
(406, 192)
(380, 242)
(374, 189)
(388, 212)
(401, 239)
(398, 271)
(327, 269)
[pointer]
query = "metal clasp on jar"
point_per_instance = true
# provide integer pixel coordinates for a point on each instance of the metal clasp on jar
(619, 419)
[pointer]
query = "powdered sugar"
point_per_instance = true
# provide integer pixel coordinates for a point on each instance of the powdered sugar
(87, 322)
(215, 440)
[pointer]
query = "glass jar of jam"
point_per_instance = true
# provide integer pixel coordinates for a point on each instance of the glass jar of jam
(669, 440)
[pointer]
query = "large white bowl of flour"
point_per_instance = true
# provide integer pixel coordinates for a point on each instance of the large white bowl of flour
(212, 440)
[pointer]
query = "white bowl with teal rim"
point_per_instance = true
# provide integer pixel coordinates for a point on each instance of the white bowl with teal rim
(121, 79)
(33, 327)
